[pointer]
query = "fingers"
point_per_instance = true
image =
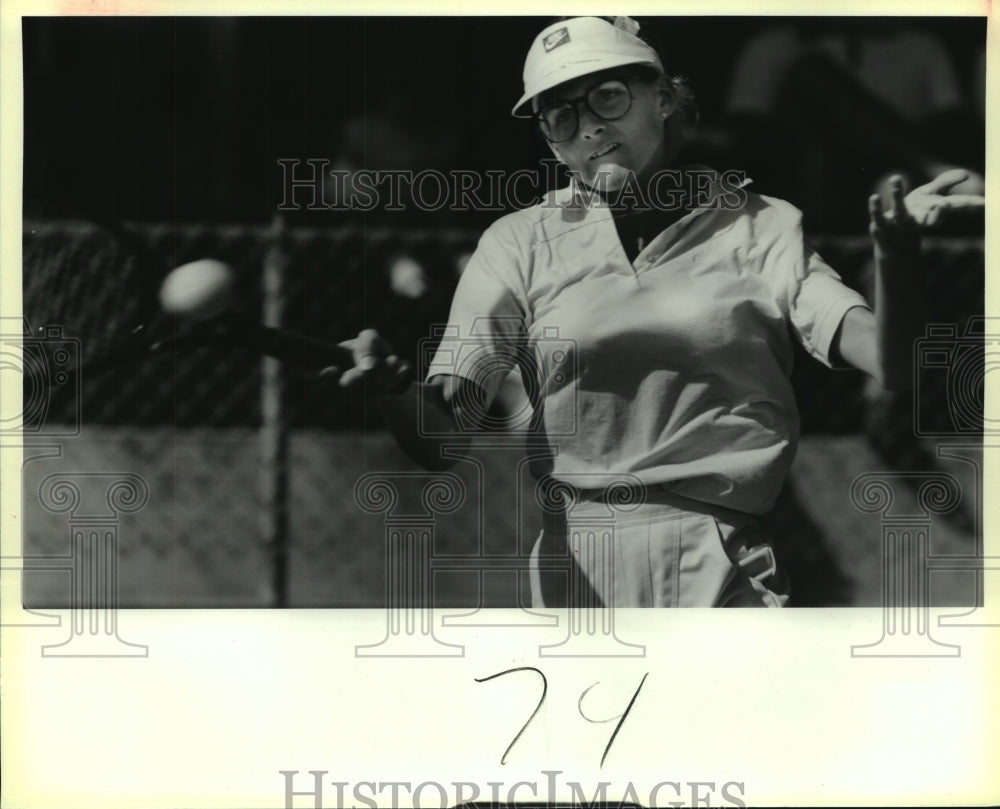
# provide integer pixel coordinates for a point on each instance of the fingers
(351, 377)
(379, 368)
(930, 209)
(892, 225)
(377, 372)
(945, 181)
(964, 201)
(375, 366)
(897, 207)
(366, 349)
(875, 212)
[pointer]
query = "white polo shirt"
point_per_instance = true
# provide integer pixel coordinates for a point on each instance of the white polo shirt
(674, 368)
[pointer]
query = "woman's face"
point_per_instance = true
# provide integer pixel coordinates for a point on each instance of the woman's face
(602, 153)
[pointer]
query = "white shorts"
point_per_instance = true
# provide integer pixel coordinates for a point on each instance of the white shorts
(668, 552)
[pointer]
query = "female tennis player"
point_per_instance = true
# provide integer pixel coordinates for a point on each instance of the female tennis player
(660, 323)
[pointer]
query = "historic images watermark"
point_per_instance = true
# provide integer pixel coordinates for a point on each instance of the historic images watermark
(94, 503)
(313, 789)
(547, 361)
(43, 363)
(958, 362)
(955, 363)
(312, 185)
(412, 622)
(567, 505)
(40, 362)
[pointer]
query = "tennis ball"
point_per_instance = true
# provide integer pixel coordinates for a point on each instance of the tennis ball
(199, 290)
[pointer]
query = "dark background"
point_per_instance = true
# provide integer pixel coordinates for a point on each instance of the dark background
(183, 119)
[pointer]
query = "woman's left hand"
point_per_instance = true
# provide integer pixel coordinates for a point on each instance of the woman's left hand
(895, 230)
(930, 203)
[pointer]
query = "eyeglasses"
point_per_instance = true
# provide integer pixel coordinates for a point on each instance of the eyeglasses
(608, 100)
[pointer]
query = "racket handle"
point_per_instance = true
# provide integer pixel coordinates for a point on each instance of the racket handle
(299, 350)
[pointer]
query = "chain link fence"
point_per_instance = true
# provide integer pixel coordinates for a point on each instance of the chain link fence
(191, 426)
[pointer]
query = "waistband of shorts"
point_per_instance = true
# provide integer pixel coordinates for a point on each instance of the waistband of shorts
(623, 502)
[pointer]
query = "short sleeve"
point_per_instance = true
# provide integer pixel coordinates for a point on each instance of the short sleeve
(809, 292)
(486, 323)
(818, 306)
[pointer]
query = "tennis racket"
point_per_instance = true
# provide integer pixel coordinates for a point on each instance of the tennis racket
(98, 283)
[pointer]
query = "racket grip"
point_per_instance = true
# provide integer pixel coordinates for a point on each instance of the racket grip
(299, 350)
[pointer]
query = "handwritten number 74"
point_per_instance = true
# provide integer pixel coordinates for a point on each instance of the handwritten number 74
(579, 705)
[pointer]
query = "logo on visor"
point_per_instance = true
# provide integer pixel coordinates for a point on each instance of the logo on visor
(555, 39)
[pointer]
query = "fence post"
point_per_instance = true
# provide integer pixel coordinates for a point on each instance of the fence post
(274, 427)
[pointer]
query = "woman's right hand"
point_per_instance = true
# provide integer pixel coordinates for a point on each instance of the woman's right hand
(377, 370)
(419, 416)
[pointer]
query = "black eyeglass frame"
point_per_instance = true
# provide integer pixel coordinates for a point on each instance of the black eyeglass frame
(574, 104)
